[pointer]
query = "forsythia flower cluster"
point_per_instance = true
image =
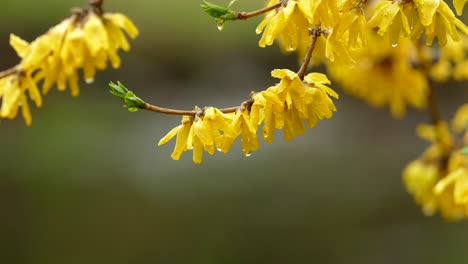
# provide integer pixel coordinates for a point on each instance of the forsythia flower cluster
(284, 106)
(356, 37)
(85, 41)
(438, 180)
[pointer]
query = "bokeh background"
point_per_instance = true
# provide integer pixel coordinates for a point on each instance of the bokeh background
(87, 184)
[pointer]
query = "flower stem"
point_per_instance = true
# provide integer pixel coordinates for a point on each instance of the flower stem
(8, 72)
(315, 32)
(434, 112)
(247, 15)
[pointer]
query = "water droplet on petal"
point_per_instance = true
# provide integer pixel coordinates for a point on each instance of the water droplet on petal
(191, 147)
(89, 80)
(258, 31)
(291, 47)
(394, 45)
(220, 24)
(219, 149)
(248, 154)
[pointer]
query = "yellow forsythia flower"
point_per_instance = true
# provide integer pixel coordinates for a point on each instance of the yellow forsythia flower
(286, 104)
(419, 179)
(283, 106)
(201, 133)
(399, 19)
(289, 23)
(242, 125)
(438, 180)
(182, 131)
(84, 41)
(14, 91)
(383, 75)
(455, 186)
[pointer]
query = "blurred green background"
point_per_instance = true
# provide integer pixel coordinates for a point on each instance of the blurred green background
(87, 184)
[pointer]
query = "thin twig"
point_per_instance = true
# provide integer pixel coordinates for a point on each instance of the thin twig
(170, 111)
(247, 15)
(315, 33)
(8, 72)
(96, 6)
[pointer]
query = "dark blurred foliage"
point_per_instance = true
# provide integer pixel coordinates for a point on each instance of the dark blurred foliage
(87, 184)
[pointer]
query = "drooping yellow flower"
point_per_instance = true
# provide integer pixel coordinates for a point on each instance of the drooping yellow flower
(182, 132)
(201, 133)
(348, 32)
(400, 19)
(205, 133)
(384, 75)
(455, 186)
(287, 104)
(438, 180)
(289, 23)
(15, 91)
(242, 125)
(84, 41)
(452, 61)
(419, 179)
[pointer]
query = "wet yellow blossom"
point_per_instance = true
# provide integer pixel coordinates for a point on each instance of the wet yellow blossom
(288, 23)
(84, 41)
(15, 91)
(384, 75)
(202, 133)
(348, 32)
(182, 132)
(287, 104)
(243, 126)
(400, 19)
(205, 133)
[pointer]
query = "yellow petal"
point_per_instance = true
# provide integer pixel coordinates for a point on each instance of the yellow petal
(169, 135)
(459, 4)
(21, 46)
(460, 120)
(427, 10)
(123, 22)
(26, 112)
(95, 35)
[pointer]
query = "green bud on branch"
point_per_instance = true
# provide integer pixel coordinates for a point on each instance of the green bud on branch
(133, 102)
(219, 12)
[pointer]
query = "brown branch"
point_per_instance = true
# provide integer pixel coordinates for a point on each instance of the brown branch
(96, 6)
(434, 112)
(8, 72)
(170, 111)
(315, 32)
(96, 3)
(247, 15)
